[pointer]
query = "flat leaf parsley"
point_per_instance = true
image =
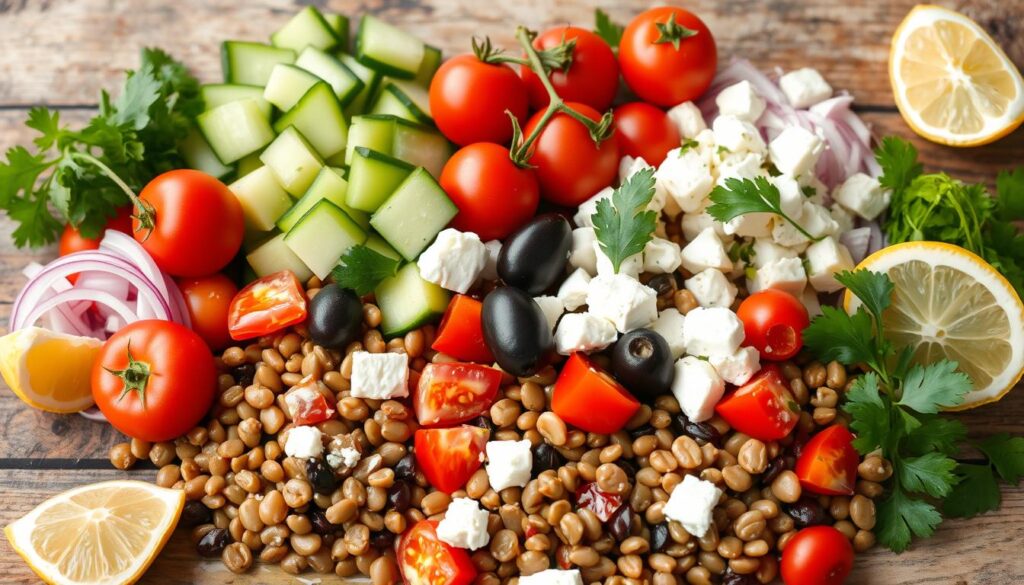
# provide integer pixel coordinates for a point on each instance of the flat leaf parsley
(742, 196)
(362, 269)
(622, 223)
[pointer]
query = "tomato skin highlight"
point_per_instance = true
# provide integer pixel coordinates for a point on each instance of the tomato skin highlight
(424, 559)
(267, 305)
(461, 332)
(592, 78)
(590, 399)
(828, 463)
(450, 393)
(645, 131)
(208, 299)
(773, 323)
(449, 457)
(763, 408)
(469, 98)
(817, 555)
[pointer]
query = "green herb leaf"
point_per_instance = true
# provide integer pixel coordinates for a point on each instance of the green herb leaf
(607, 29)
(976, 493)
(870, 414)
(1006, 454)
(898, 159)
(835, 335)
(938, 385)
(622, 223)
(362, 269)
(874, 290)
(931, 473)
(901, 517)
(742, 196)
(1010, 194)
(935, 433)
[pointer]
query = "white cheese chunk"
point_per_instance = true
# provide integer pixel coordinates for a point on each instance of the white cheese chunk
(738, 368)
(661, 256)
(750, 225)
(706, 251)
(765, 251)
(380, 375)
(687, 119)
(692, 503)
(573, 292)
(631, 266)
(712, 331)
(553, 576)
(786, 235)
(582, 254)
(791, 197)
(584, 332)
(843, 218)
(552, 308)
(464, 525)
(586, 210)
(811, 302)
(744, 165)
(795, 151)
(454, 260)
(623, 300)
(785, 274)
(693, 224)
(812, 188)
(818, 221)
(824, 259)
(686, 178)
(711, 288)
(697, 387)
(490, 271)
(508, 464)
(737, 136)
(740, 100)
(628, 166)
(670, 326)
(863, 195)
(805, 87)
(304, 442)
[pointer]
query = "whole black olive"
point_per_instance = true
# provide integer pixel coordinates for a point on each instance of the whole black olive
(659, 536)
(699, 431)
(193, 514)
(545, 457)
(620, 523)
(405, 469)
(534, 257)
(335, 317)
(642, 362)
(320, 476)
(213, 542)
(516, 331)
(807, 512)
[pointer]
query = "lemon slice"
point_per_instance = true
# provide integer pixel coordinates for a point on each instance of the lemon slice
(105, 533)
(949, 303)
(47, 370)
(952, 82)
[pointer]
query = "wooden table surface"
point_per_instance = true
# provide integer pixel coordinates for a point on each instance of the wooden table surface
(62, 52)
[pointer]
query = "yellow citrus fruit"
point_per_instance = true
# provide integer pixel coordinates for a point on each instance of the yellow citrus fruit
(949, 303)
(952, 83)
(47, 370)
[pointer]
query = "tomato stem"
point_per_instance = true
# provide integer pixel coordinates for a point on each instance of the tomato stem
(135, 376)
(144, 211)
(672, 32)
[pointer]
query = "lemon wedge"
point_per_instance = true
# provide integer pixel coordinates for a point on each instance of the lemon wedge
(47, 370)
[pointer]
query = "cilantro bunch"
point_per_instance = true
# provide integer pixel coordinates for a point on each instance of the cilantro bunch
(894, 408)
(81, 174)
(622, 223)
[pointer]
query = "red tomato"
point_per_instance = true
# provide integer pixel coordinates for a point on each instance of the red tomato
(450, 393)
(817, 555)
(773, 323)
(426, 560)
(828, 463)
(461, 333)
(645, 131)
(208, 299)
(494, 196)
(469, 98)
(154, 380)
(603, 504)
(570, 167)
(71, 240)
(267, 305)
(592, 78)
(198, 223)
(590, 399)
(762, 408)
(448, 457)
(307, 405)
(661, 70)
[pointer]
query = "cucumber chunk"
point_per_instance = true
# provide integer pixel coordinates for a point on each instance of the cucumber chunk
(235, 129)
(293, 161)
(248, 164)
(407, 301)
(328, 185)
(319, 118)
(417, 211)
(248, 63)
(404, 100)
(373, 177)
(262, 199)
(274, 256)
(371, 81)
(343, 81)
(339, 24)
(218, 94)
(322, 236)
(198, 155)
(378, 245)
(287, 85)
(306, 29)
(421, 145)
(370, 131)
(387, 48)
(429, 66)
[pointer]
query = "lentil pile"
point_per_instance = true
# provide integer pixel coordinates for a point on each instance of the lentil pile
(594, 502)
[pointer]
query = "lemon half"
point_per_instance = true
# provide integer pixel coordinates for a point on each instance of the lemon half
(47, 370)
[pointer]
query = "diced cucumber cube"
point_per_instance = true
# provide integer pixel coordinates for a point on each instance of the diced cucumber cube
(429, 66)
(322, 236)
(387, 48)
(417, 211)
(339, 24)
(307, 28)
(328, 185)
(293, 161)
(373, 177)
(248, 164)
(407, 301)
(370, 131)
(320, 120)
(235, 129)
(248, 63)
(198, 155)
(218, 94)
(274, 256)
(378, 245)
(344, 82)
(287, 85)
(369, 77)
(404, 100)
(262, 198)
(421, 145)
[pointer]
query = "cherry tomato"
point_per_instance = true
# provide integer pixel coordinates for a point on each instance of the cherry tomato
(603, 504)
(592, 78)
(828, 463)
(449, 457)
(570, 167)
(817, 555)
(267, 305)
(424, 559)
(590, 399)
(450, 393)
(71, 240)
(469, 98)
(208, 299)
(307, 404)
(198, 223)
(645, 131)
(461, 333)
(762, 408)
(773, 323)
(154, 380)
(669, 68)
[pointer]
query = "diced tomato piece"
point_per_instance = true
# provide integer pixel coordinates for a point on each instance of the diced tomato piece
(763, 408)
(590, 399)
(450, 393)
(267, 305)
(307, 405)
(448, 457)
(828, 463)
(461, 333)
(426, 560)
(603, 504)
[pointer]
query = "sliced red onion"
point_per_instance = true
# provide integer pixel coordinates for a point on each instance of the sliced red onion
(857, 241)
(93, 413)
(179, 311)
(122, 309)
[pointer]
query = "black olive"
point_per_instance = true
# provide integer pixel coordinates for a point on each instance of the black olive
(534, 257)
(382, 539)
(641, 431)
(642, 362)
(400, 496)
(807, 512)
(620, 523)
(663, 284)
(699, 431)
(321, 525)
(545, 457)
(775, 467)
(244, 374)
(516, 331)
(659, 536)
(405, 469)
(320, 476)
(731, 578)
(213, 542)
(193, 514)
(335, 317)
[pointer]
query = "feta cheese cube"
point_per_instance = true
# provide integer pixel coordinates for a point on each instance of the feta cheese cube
(786, 235)
(795, 151)
(584, 332)
(697, 387)
(623, 300)
(380, 375)
(740, 100)
(573, 292)
(791, 198)
(745, 165)
(812, 188)
(693, 224)
(738, 136)
(628, 166)
(661, 256)
(508, 464)
(454, 260)
(824, 259)
(863, 195)
(750, 225)
(631, 266)
(303, 442)
(711, 288)
(843, 218)
(670, 326)
(464, 525)
(687, 119)
(553, 576)
(712, 331)
(582, 254)
(805, 87)
(739, 367)
(586, 210)
(552, 308)
(490, 271)
(705, 251)
(692, 504)
(785, 274)
(686, 178)
(766, 251)
(818, 221)
(811, 302)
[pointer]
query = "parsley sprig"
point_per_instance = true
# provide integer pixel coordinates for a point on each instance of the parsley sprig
(363, 268)
(742, 196)
(622, 223)
(607, 29)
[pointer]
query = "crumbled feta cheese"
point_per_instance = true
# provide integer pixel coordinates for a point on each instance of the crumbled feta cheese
(688, 119)
(303, 442)
(812, 188)
(553, 576)
(785, 274)
(686, 177)
(380, 376)
(805, 87)
(628, 166)
(697, 387)
(623, 300)
(586, 210)
(811, 302)
(791, 197)
(795, 151)
(694, 223)
(750, 225)
(552, 308)
(582, 254)
(712, 331)
(738, 136)
(454, 260)
(818, 221)
(464, 525)
(711, 288)
(573, 292)
(740, 100)
(347, 457)
(692, 503)
(786, 235)
(843, 218)
(490, 271)
(670, 326)
(745, 165)
(766, 251)
(706, 251)
(863, 195)
(584, 332)
(661, 256)
(631, 266)
(824, 259)
(738, 368)
(508, 464)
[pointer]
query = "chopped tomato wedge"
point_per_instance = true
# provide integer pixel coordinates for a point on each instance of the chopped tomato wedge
(450, 393)
(763, 408)
(461, 333)
(828, 463)
(307, 405)
(426, 560)
(603, 504)
(589, 399)
(267, 305)
(448, 457)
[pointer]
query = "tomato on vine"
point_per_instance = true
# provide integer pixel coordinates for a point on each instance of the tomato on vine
(645, 131)
(469, 99)
(592, 76)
